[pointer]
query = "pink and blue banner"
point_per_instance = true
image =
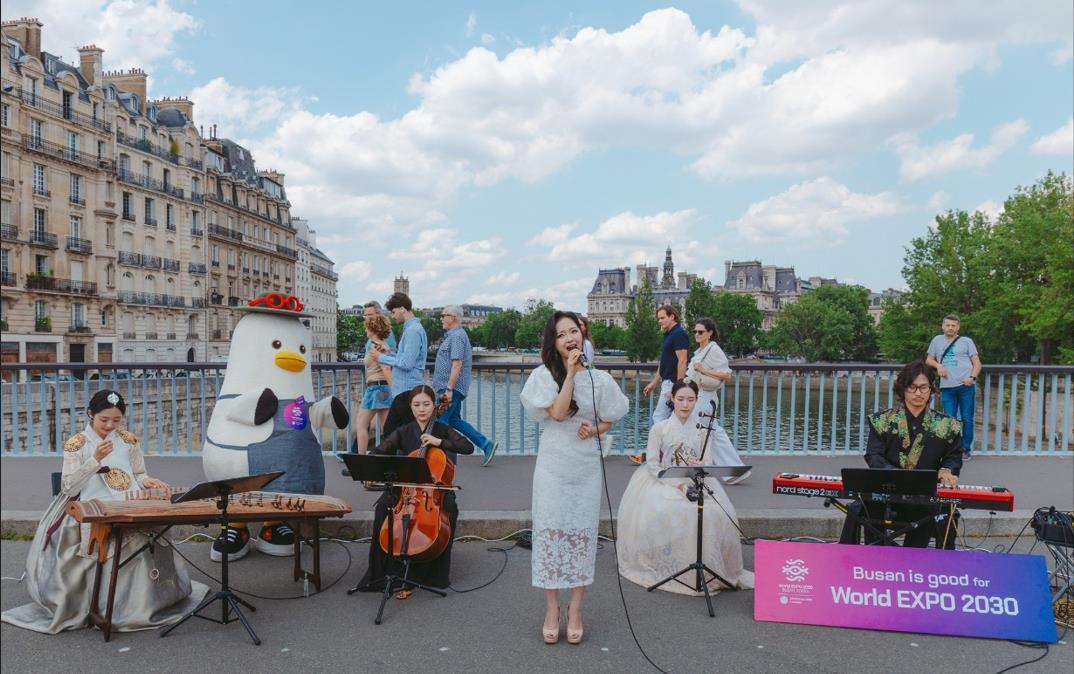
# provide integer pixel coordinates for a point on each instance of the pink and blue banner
(961, 593)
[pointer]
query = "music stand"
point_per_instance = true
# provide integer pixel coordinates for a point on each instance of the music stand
(697, 493)
(393, 472)
(222, 490)
(878, 485)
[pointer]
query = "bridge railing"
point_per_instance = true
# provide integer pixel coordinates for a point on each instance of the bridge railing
(766, 409)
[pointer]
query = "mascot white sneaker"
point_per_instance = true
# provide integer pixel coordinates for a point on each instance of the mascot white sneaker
(263, 420)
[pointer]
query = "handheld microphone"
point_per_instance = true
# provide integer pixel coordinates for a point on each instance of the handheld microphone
(581, 358)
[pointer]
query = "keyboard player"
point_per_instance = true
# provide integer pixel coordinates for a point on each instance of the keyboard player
(912, 436)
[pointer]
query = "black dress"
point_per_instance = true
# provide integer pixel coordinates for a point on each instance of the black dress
(437, 572)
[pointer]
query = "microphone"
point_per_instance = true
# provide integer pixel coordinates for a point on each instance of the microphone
(582, 359)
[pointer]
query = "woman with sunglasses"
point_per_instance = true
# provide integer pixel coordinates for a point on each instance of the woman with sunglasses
(709, 369)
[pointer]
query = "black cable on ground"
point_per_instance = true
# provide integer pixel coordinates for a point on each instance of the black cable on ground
(494, 578)
(611, 521)
(258, 596)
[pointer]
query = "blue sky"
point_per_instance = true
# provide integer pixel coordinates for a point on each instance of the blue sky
(499, 151)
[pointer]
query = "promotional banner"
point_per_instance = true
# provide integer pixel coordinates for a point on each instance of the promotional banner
(962, 593)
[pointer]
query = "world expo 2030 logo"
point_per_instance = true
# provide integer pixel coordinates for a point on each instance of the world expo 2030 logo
(795, 570)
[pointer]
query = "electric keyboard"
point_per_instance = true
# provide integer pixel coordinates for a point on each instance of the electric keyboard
(963, 496)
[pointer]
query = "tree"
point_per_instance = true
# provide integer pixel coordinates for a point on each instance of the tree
(608, 336)
(498, 331)
(532, 322)
(900, 336)
(1032, 256)
(738, 320)
(700, 303)
(350, 332)
(643, 332)
(831, 323)
(434, 329)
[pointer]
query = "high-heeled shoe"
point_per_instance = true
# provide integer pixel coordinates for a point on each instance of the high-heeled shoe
(551, 636)
(573, 636)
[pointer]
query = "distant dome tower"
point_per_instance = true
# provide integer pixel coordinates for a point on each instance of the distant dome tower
(669, 270)
(402, 285)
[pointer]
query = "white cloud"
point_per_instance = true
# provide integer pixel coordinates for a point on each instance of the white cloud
(471, 24)
(439, 249)
(487, 38)
(989, 208)
(183, 66)
(503, 278)
(939, 200)
(1060, 141)
(132, 33)
(359, 270)
(918, 162)
(624, 237)
(241, 111)
(814, 211)
(569, 295)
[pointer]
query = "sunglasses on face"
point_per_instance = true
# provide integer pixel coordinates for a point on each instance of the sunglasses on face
(700, 332)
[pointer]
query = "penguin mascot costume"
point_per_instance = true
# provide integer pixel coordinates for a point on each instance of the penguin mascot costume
(264, 421)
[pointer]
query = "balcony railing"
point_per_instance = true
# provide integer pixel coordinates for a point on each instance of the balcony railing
(80, 246)
(193, 335)
(130, 335)
(196, 268)
(42, 192)
(197, 232)
(224, 232)
(7, 278)
(57, 151)
(150, 335)
(130, 259)
(324, 271)
(149, 147)
(62, 111)
(9, 232)
(217, 334)
(170, 226)
(197, 197)
(79, 329)
(7, 181)
(288, 252)
(60, 285)
(234, 301)
(152, 261)
(45, 239)
(151, 222)
(171, 265)
(156, 299)
(128, 216)
(75, 200)
(216, 263)
(197, 302)
(43, 324)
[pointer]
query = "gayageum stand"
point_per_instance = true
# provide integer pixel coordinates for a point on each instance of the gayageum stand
(696, 494)
(222, 490)
(394, 472)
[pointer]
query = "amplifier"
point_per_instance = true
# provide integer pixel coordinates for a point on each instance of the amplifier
(1054, 526)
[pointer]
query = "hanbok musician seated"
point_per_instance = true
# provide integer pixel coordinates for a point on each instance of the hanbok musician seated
(101, 462)
(657, 524)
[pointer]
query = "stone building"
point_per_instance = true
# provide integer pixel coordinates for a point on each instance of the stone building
(770, 286)
(401, 284)
(126, 235)
(876, 302)
(322, 303)
(610, 297)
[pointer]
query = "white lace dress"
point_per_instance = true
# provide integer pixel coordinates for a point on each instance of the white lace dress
(657, 525)
(567, 477)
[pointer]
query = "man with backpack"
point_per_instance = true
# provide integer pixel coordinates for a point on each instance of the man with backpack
(956, 361)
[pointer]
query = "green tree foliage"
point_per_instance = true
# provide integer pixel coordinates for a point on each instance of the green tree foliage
(700, 303)
(608, 336)
(434, 329)
(498, 330)
(643, 332)
(831, 323)
(1010, 282)
(531, 324)
(737, 318)
(350, 332)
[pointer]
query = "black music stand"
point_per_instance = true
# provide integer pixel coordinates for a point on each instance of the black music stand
(696, 494)
(222, 490)
(877, 485)
(393, 472)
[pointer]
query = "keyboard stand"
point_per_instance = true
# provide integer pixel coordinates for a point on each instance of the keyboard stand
(885, 535)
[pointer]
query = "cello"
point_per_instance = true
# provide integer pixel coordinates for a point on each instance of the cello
(421, 528)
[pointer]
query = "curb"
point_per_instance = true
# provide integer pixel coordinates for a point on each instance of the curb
(494, 524)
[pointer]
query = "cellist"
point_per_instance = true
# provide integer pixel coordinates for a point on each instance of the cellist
(423, 431)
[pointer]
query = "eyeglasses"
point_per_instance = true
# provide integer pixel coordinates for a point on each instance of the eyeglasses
(919, 388)
(700, 332)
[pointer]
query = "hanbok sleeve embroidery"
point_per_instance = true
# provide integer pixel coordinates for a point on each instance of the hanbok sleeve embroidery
(612, 405)
(539, 393)
(77, 470)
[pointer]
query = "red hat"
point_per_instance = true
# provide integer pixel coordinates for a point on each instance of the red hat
(279, 304)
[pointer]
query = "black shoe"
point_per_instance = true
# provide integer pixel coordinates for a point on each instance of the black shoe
(345, 472)
(276, 539)
(236, 543)
(966, 455)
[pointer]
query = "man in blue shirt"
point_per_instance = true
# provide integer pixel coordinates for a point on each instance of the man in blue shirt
(673, 356)
(956, 361)
(408, 361)
(451, 378)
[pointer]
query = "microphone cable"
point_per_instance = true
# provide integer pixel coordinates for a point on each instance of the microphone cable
(611, 521)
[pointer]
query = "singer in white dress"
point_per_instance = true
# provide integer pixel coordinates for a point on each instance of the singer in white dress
(560, 395)
(709, 369)
(657, 525)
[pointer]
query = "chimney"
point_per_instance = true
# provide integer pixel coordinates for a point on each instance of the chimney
(180, 103)
(683, 285)
(90, 63)
(132, 81)
(27, 30)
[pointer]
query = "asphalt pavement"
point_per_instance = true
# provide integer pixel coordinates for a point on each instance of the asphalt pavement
(494, 629)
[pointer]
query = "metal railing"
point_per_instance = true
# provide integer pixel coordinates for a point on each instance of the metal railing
(766, 409)
(9, 232)
(64, 153)
(80, 246)
(60, 285)
(60, 110)
(46, 239)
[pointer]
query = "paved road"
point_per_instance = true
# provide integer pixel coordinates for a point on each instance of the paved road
(491, 630)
